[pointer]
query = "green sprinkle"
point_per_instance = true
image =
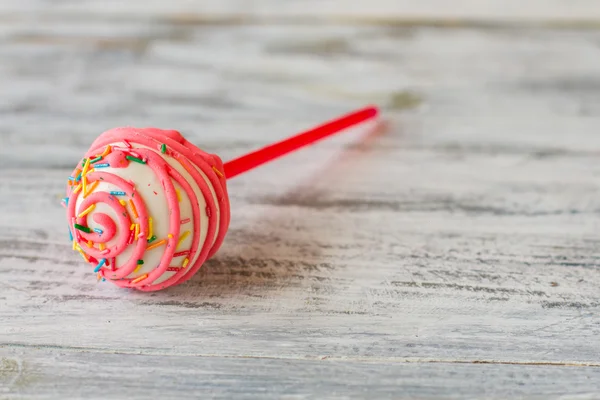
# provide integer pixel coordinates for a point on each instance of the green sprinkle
(83, 228)
(135, 159)
(163, 148)
(140, 262)
(152, 239)
(95, 160)
(83, 162)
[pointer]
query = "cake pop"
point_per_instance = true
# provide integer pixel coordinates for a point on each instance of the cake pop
(146, 208)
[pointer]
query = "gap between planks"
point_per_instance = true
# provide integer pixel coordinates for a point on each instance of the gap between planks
(395, 360)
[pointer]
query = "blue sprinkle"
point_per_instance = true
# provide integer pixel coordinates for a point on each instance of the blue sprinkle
(101, 165)
(71, 178)
(103, 279)
(98, 231)
(78, 177)
(66, 199)
(70, 235)
(100, 265)
(118, 193)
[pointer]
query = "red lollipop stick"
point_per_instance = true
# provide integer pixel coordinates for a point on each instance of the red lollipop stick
(262, 156)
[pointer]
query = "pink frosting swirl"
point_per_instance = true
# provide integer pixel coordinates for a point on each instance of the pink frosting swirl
(127, 175)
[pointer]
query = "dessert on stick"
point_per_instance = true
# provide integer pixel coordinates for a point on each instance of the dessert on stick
(146, 208)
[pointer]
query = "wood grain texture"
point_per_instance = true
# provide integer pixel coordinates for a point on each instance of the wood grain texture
(96, 376)
(457, 245)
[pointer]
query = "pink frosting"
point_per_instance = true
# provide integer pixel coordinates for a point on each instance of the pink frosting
(189, 156)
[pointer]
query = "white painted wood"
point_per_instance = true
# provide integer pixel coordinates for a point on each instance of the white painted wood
(467, 232)
(37, 374)
(315, 10)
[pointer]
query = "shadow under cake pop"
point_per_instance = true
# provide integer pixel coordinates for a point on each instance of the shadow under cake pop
(255, 265)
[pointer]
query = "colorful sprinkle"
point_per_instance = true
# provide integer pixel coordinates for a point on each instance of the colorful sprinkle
(78, 177)
(135, 213)
(127, 143)
(135, 159)
(91, 189)
(98, 231)
(102, 246)
(163, 148)
(107, 151)
(86, 166)
(132, 227)
(104, 165)
(178, 195)
(87, 211)
(218, 172)
(141, 278)
(100, 265)
(77, 189)
(83, 228)
(183, 237)
(140, 262)
(181, 254)
(185, 221)
(137, 231)
(157, 244)
(123, 203)
(150, 227)
(85, 257)
(117, 193)
(170, 236)
(70, 235)
(186, 262)
(90, 244)
(137, 269)
(84, 182)
(173, 269)
(95, 160)
(152, 239)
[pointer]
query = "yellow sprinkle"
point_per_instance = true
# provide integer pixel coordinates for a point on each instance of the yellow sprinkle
(102, 246)
(186, 262)
(133, 209)
(75, 245)
(218, 172)
(77, 189)
(132, 227)
(90, 244)
(87, 211)
(91, 189)
(85, 167)
(107, 151)
(83, 255)
(150, 227)
(178, 195)
(183, 237)
(99, 276)
(170, 236)
(157, 244)
(141, 278)
(137, 231)
(137, 269)
(84, 182)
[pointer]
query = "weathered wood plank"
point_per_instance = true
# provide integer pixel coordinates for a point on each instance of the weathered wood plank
(375, 10)
(37, 374)
(467, 232)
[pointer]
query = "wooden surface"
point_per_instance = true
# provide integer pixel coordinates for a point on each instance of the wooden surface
(452, 254)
